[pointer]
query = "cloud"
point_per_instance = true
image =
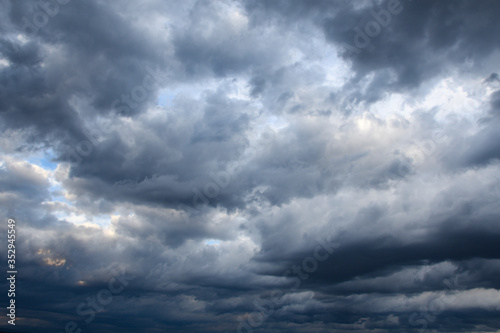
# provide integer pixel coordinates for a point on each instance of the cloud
(302, 166)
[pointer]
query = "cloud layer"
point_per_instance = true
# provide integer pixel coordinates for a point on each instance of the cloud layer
(256, 166)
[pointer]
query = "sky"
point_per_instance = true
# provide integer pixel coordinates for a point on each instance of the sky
(251, 166)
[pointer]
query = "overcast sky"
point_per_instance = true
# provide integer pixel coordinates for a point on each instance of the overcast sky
(252, 166)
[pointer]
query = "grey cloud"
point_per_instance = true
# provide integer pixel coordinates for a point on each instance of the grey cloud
(208, 149)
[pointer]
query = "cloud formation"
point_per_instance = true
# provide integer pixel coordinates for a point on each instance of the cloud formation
(256, 166)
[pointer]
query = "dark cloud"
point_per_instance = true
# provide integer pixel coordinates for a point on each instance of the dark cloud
(283, 166)
(413, 43)
(483, 148)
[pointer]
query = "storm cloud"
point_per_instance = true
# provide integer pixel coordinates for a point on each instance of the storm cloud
(252, 166)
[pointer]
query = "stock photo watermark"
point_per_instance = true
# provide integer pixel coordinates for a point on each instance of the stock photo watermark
(221, 179)
(12, 270)
(139, 93)
(31, 25)
(297, 273)
(381, 19)
(47, 10)
(429, 312)
(124, 106)
(420, 151)
(92, 305)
